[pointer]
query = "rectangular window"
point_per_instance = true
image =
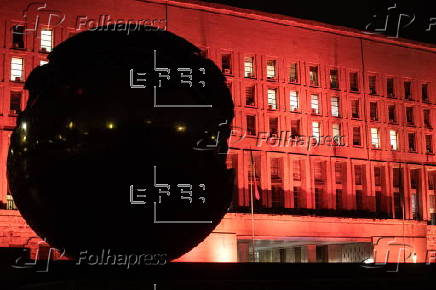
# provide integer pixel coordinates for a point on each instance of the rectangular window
(293, 100)
(250, 99)
(249, 67)
(295, 127)
(412, 145)
(46, 40)
(358, 174)
(251, 125)
(428, 144)
(427, 122)
(392, 114)
(372, 85)
(336, 130)
(318, 198)
(316, 131)
(271, 69)
(296, 170)
(355, 109)
(277, 197)
(373, 112)
(18, 36)
(408, 90)
(272, 99)
(297, 197)
(334, 79)
(17, 67)
(393, 137)
(293, 73)
(390, 87)
(359, 200)
(424, 93)
(314, 104)
(339, 198)
(318, 172)
(354, 82)
(15, 102)
(409, 116)
(274, 126)
(378, 176)
(226, 63)
(398, 205)
(339, 172)
(335, 106)
(313, 76)
(375, 138)
(397, 177)
(378, 202)
(356, 136)
(276, 169)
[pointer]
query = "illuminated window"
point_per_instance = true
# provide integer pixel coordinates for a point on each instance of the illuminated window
(356, 136)
(373, 85)
(373, 112)
(428, 144)
(335, 106)
(427, 122)
(18, 36)
(390, 87)
(293, 73)
(393, 137)
(249, 67)
(250, 99)
(274, 126)
(313, 76)
(43, 62)
(334, 79)
(412, 143)
(314, 104)
(272, 99)
(251, 125)
(392, 114)
(271, 69)
(316, 131)
(355, 109)
(409, 116)
(15, 102)
(17, 66)
(424, 93)
(226, 63)
(46, 40)
(354, 82)
(375, 138)
(336, 131)
(408, 90)
(293, 99)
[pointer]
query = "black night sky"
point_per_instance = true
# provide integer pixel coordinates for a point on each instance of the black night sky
(413, 17)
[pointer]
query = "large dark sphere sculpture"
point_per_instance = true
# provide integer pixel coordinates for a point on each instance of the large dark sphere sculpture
(98, 161)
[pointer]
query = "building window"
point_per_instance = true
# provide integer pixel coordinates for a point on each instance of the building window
(412, 145)
(358, 174)
(393, 137)
(339, 173)
(390, 87)
(378, 201)
(392, 114)
(251, 125)
(293, 99)
(297, 197)
(355, 109)
(373, 112)
(427, 122)
(356, 136)
(15, 103)
(424, 93)
(313, 76)
(17, 67)
(375, 138)
(336, 131)
(372, 85)
(276, 166)
(318, 172)
(277, 197)
(274, 126)
(226, 63)
(339, 198)
(409, 116)
(271, 69)
(316, 131)
(272, 99)
(18, 36)
(428, 144)
(354, 82)
(314, 104)
(296, 170)
(335, 106)
(334, 79)
(359, 200)
(46, 40)
(318, 198)
(249, 67)
(397, 176)
(377, 176)
(293, 73)
(408, 90)
(295, 128)
(250, 99)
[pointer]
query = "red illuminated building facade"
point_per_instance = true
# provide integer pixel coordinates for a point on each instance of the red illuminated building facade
(358, 183)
